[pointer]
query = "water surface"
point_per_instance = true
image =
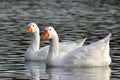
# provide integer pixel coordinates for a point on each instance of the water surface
(73, 19)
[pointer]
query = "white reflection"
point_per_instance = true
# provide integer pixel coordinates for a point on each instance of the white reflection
(34, 69)
(95, 73)
(37, 70)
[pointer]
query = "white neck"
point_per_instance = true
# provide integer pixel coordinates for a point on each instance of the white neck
(53, 49)
(35, 41)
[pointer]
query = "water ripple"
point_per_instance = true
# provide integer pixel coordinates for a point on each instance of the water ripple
(73, 19)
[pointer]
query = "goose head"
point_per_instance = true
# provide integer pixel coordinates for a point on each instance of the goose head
(32, 28)
(49, 33)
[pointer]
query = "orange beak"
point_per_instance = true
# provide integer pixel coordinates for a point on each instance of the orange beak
(45, 34)
(28, 29)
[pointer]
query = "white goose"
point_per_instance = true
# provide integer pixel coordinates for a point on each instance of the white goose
(34, 53)
(95, 54)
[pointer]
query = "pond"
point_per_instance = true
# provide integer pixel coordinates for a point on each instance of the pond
(73, 19)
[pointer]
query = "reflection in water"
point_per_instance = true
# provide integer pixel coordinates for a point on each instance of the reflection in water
(93, 73)
(35, 69)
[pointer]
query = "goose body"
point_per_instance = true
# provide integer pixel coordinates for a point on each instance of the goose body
(33, 52)
(95, 54)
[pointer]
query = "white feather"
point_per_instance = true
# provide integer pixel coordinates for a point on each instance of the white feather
(35, 54)
(95, 54)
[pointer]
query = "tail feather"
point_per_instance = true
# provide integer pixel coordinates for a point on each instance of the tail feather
(81, 41)
(109, 35)
(107, 38)
(106, 44)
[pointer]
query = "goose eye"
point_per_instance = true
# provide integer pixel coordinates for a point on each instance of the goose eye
(50, 29)
(33, 25)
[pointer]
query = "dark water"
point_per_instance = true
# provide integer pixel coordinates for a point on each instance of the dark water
(73, 19)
